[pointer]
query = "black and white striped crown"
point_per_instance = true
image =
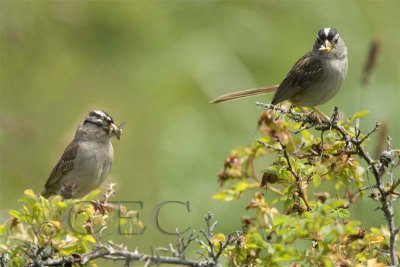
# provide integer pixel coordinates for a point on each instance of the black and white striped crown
(99, 114)
(327, 34)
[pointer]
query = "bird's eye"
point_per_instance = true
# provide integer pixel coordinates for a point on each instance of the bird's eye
(336, 40)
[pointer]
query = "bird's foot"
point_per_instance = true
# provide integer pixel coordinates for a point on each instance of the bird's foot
(321, 117)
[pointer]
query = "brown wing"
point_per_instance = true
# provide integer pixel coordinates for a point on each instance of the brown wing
(306, 71)
(63, 166)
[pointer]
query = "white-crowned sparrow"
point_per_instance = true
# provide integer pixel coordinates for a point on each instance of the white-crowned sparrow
(87, 160)
(314, 79)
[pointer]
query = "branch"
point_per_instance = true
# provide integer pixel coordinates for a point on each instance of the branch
(214, 252)
(299, 186)
(113, 251)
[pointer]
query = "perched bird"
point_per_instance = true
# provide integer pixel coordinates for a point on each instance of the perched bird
(87, 160)
(314, 79)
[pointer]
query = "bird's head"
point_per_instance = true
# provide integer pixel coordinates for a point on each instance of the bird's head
(103, 123)
(329, 43)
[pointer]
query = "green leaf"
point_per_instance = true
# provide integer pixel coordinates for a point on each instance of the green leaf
(341, 213)
(241, 186)
(316, 180)
(70, 248)
(61, 205)
(280, 220)
(225, 195)
(360, 114)
(361, 257)
(337, 203)
(29, 193)
(17, 215)
(328, 263)
(92, 195)
(90, 239)
(80, 221)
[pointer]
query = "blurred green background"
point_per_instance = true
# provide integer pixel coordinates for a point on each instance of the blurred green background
(156, 65)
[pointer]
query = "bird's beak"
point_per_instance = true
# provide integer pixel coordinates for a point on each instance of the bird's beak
(326, 47)
(113, 129)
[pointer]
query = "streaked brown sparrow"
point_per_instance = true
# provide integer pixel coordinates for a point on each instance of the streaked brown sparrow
(87, 160)
(313, 80)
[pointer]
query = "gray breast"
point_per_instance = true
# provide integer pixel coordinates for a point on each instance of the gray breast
(93, 163)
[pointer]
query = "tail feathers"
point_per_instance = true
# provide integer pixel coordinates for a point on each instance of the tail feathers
(244, 93)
